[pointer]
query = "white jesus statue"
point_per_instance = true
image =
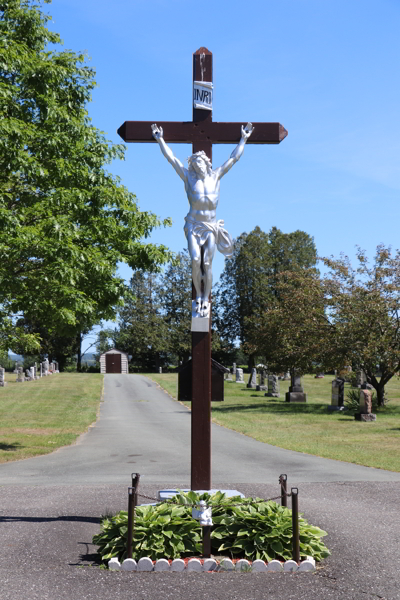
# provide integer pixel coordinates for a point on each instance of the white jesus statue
(203, 232)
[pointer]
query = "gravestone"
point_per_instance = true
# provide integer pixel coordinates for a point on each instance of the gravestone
(185, 374)
(32, 373)
(262, 387)
(296, 392)
(234, 369)
(361, 378)
(273, 387)
(28, 375)
(20, 375)
(286, 376)
(3, 381)
(46, 366)
(239, 375)
(365, 413)
(160, 370)
(337, 397)
(252, 383)
(41, 369)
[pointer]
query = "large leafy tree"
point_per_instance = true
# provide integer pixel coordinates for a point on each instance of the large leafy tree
(175, 296)
(249, 281)
(294, 331)
(143, 332)
(65, 222)
(365, 309)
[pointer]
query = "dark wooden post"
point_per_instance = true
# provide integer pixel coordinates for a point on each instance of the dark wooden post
(201, 341)
(202, 132)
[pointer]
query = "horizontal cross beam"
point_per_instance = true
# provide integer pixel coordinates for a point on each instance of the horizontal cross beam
(191, 132)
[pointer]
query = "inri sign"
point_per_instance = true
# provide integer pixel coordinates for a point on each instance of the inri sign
(202, 94)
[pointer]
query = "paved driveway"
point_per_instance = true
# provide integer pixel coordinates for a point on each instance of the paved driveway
(50, 509)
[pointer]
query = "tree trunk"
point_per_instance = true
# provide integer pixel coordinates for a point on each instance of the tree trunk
(79, 352)
(380, 393)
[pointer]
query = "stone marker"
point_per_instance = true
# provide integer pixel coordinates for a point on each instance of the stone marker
(286, 376)
(234, 369)
(252, 383)
(262, 387)
(3, 382)
(365, 413)
(20, 375)
(32, 372)
(296, 392)
(160, 370)
(273, 386)
(337, 398)
(239, 376)
(360, 379)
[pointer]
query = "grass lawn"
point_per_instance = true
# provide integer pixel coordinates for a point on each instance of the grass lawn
(309, 427)
(37, 417)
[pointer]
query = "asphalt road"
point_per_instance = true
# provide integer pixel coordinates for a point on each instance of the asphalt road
(142, 429)
(50, 508)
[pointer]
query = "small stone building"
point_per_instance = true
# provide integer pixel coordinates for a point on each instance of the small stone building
(114, 361)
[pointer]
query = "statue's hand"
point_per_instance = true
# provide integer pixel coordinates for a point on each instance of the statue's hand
(247, 131)
(157, 132)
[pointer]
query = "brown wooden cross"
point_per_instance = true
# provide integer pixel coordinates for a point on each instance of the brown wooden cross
(202, 133)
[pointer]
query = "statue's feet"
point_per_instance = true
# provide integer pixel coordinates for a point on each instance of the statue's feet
(198, 306)
(205, 309)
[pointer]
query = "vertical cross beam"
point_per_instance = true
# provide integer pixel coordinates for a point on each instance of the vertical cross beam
(201, 341)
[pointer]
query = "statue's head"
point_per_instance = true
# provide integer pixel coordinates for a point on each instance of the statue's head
(200, 164)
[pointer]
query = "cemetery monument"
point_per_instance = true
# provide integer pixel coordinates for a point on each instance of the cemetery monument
(203, 232)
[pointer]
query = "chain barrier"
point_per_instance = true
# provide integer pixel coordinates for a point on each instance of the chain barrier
(168, 501)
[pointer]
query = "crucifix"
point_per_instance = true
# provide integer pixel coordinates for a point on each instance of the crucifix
(204, 233)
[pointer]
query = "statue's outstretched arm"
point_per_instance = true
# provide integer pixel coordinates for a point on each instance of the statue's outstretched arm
(175, 162)
(237, 153)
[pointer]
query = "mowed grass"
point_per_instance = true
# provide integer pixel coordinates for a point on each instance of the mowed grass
(309, 427)
(37, 417)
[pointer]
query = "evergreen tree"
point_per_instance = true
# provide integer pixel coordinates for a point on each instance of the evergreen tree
(248, 284)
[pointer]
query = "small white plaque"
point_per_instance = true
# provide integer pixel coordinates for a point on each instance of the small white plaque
(203, 95)
(201, 324)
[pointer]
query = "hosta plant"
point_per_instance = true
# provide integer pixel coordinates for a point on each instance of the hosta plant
(242, 527)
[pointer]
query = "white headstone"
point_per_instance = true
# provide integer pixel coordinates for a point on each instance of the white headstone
(239, 375)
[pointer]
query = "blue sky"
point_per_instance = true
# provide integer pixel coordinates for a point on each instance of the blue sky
(328, 70)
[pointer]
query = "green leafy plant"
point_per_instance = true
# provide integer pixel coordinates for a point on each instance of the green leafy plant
(243, 527)
(352, 401)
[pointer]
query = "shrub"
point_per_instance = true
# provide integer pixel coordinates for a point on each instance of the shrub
(243, 527)
(352, 401)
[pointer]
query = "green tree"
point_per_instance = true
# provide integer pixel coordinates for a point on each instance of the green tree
(143, 331)
(294, 332)
(365, 310)
(248, 284)
(175, 297)
(65, 221)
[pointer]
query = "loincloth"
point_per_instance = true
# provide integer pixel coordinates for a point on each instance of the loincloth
(202, 230)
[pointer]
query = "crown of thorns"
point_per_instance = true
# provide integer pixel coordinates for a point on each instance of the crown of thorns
(202, 155)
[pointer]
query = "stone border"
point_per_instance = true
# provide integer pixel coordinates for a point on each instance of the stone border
(208, 565)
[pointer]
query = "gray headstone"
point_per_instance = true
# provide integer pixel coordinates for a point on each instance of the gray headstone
(2, 377)
(252, 379)
(234, 369)
(239, 376)
(20, 375)
(273, 386)
(296, 392)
